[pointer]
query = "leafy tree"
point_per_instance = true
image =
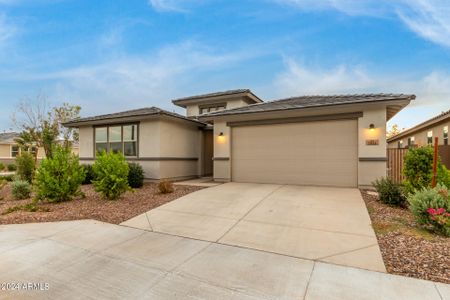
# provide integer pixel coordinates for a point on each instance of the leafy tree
(42, 127)
(393, 131)
(25, 166)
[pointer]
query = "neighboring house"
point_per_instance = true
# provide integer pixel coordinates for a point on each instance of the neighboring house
(9, 149)
(234, 135)
(424, 133)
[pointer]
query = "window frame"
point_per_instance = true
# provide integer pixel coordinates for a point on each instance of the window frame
(445, 135)
(11, 151)
(108, 142)
(204, 109)
(429, 138)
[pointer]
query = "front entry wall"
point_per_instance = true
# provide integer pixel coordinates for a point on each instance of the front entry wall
(308, 153)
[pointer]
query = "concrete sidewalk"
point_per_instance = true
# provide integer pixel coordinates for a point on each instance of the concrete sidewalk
(318, 223)
(94, 260)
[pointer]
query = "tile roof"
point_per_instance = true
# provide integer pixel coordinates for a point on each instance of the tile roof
(229, 92)
(148, 111)
(8, 137)
(310, 101)
(442, 116)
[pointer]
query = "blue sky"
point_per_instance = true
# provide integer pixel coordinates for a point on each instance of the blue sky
(116, 55)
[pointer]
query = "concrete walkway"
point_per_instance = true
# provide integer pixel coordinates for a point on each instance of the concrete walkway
(317, 223)
(94, 260)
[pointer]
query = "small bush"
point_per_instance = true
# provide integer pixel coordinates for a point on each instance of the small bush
(165, 187)
(418, 170)
(90, 175)
(25, 166)
(59, 178)
(111, 175)
(431, 208)
(389, 192)
(8, 178)
(135, 175)
(2, 166)
(21, 189)
(11, 167)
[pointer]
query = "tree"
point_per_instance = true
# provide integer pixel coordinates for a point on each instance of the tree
(41, 127)
(393, 131)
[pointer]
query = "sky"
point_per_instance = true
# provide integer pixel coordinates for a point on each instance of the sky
(109, 56)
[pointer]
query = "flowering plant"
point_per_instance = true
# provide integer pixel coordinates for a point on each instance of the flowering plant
(440, 219)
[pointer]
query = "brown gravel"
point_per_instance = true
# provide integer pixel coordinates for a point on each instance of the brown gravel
(407, 249)
(93, 206)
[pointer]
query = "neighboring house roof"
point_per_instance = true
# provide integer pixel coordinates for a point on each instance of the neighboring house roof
(243, 92)
(134, 114)
(8, 137)
(309, 102)
(428, 123)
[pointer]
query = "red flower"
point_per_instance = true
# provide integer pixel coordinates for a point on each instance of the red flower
(440, 210)
(431, 211)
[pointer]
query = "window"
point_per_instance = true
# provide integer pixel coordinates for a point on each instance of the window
(445, 135)
(430, 137)
(411, 141)
(400, 144)
(117, 138)
(204, 110)
(15, 150)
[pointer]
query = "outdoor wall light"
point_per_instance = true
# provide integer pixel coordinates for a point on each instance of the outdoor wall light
(221, 134)
(371, 126)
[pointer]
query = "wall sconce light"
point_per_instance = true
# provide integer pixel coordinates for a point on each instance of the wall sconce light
(221, 134)
(372, 126)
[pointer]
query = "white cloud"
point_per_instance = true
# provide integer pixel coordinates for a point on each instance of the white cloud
(141, 81)
(427, 18)
(168, 5)
(432, 90)
(7, 29)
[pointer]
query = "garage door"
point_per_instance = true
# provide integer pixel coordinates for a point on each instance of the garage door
(308, 153)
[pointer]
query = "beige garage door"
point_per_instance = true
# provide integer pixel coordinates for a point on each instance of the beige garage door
(308, 153)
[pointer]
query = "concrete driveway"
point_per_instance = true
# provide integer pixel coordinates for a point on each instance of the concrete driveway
(317, 223)
(94, 260)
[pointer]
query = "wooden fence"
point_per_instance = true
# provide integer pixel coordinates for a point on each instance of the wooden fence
(396, 156)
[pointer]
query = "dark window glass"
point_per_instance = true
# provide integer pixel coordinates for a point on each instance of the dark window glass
(99, 147)
(14, 151)
(129, 149)
(115, 147)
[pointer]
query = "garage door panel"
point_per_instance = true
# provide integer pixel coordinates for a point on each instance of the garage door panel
(313, 153)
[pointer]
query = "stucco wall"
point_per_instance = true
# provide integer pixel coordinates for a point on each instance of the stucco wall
(222, 151)
(194, 110)
(5, 151)
(368, 168)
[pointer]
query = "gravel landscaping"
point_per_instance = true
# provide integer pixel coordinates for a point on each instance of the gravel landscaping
(407, 249)
(93, 206)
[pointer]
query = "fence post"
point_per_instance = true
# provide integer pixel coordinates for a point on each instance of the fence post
(435, 159)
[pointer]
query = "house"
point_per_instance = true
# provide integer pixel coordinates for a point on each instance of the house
(235, 136)
(424, 133)
(9, 149)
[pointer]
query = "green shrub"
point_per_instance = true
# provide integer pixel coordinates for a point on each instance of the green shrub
(25, 166)
(59, 178)
(389, 192)
(165, 187)
(8, 178)
(418, 170)
(11, 167)
(2, 166)
(90, 175)
(135, 175)
(111, 175)
(21, 189)
(431, 208)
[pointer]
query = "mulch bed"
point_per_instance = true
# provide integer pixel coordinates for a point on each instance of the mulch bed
(93, 206)
(407, 249)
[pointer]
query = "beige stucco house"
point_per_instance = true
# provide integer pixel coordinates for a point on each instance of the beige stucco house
(235, 136)
(424, 133)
